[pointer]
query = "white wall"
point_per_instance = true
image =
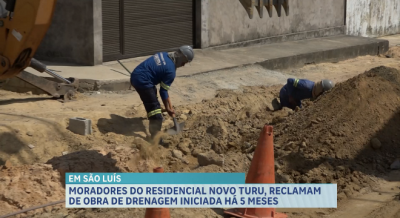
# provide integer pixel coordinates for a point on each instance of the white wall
(373, 18)
(226, 21)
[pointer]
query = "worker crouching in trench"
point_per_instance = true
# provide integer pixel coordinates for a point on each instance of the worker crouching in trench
(159, 69)
(297, 90)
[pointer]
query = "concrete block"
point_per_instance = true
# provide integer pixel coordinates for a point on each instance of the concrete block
(80, 126)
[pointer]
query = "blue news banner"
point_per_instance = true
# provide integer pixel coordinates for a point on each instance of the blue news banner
(190, 190)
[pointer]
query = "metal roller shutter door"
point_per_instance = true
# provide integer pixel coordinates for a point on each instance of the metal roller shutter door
(111, 30)
(156, 25)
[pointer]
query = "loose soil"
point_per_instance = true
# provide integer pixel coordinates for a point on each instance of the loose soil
(348, 136)
(333, 139)
(393, 52)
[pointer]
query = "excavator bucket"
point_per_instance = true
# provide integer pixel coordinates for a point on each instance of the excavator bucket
(20, 36)
(269, 5)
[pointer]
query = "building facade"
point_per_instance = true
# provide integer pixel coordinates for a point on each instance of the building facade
(369, 18)
(90, 32)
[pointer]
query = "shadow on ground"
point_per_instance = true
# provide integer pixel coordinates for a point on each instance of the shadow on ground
(219, 211)
(11, 145)
(84, 161)
(369, 161)
(22, 100)
(121, 125)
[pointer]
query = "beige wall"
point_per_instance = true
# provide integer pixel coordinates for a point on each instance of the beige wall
(226, 21)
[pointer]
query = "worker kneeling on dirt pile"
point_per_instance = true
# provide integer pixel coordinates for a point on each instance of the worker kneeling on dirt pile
(159, 69)
(297, 90)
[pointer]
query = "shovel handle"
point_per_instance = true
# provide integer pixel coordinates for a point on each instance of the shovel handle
(175, 122)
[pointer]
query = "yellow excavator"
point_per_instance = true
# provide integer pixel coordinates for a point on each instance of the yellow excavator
(24, 23)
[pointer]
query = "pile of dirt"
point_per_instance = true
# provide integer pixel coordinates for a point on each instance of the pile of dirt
(347, 134)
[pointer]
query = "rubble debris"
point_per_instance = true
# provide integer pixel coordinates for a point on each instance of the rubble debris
(184, 146)
(29, 185)
(210, 158)
(177, 154)
(183, 117)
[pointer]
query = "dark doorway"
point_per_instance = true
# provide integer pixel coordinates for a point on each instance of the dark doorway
(133, 28)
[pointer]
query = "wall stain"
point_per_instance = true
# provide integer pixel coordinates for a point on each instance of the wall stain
(371, 18)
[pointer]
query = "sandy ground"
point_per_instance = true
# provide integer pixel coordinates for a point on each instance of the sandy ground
(218, 122)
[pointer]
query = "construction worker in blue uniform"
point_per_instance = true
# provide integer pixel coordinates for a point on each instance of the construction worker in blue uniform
(159, 69)
(297, 90)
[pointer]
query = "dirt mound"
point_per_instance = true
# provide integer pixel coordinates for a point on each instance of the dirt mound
(346, 134)
(26, 186)
(393, 52)
(349, 116)
(221, 123)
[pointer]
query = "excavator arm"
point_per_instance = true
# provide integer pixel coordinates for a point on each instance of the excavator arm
(23, 25)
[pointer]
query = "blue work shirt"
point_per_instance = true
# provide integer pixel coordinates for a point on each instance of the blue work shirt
(299, 89)
(157, 69)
